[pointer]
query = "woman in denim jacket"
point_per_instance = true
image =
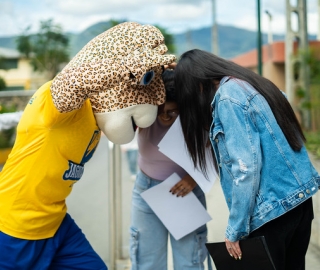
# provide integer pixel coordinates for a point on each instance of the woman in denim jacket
(265, 172)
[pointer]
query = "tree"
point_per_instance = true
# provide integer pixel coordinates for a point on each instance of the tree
(47, 49)
(312, 59)
(2, 84)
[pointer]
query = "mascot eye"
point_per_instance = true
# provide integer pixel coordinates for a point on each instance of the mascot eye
(147, 78)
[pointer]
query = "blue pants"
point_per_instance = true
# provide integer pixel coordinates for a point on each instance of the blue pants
(149, 237)
(67, 249)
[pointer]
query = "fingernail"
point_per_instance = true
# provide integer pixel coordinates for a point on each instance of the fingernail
(239, 257)
(231, 255)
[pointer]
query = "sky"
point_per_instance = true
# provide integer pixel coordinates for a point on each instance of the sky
(176, 16)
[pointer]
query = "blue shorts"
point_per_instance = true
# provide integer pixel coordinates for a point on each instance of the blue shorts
(67, 249)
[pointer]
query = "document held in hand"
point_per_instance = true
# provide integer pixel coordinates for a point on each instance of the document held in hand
(255, 255)
(180, 215)
(174, 147)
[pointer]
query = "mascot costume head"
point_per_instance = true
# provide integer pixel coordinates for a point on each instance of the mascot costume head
(120, 72)
(112, 85)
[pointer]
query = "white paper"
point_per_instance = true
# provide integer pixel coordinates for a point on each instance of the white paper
(174, 147)
(180, 215)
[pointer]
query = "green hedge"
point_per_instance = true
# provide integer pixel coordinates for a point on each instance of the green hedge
(2, 84)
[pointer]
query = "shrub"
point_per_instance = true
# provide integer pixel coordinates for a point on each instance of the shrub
(2, 84)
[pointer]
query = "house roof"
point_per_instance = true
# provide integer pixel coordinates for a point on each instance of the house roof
(9, 53)
(274, 52)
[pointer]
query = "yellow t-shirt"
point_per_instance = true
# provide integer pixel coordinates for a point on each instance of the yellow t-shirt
(46, 160)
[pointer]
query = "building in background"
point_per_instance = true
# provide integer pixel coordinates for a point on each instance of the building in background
(273, 68)
(17, 72)
(273, 60)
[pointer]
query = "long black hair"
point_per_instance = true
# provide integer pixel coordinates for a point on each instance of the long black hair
(196, 75)
(168, 80)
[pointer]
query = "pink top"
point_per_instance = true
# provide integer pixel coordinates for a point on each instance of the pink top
(151, 161)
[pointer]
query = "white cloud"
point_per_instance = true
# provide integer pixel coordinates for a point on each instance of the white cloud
(175, 15)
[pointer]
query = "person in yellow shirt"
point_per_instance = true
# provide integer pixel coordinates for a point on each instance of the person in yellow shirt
(112, 85)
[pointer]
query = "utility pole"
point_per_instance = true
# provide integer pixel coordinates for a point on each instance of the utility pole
(270, 37)
(259, 43)
(318, 32)
(214, 30)
(296, 72)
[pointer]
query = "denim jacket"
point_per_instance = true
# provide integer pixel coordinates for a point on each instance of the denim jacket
(261, 176)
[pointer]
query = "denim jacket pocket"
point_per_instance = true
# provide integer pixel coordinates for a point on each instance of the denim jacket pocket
(262, 207)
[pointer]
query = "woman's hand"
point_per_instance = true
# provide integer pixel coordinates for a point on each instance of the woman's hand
(234, 249)
(184, 186)
(170, 66)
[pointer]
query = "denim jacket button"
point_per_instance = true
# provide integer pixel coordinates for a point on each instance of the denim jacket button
(220, 165)
(308, 191)
(217, 140)
(301, 195)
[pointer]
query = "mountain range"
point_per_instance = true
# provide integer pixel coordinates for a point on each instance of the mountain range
(232, 41)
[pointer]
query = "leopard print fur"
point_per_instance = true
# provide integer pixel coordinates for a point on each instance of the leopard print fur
(108, 71)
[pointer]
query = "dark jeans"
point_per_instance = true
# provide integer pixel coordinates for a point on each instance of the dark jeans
(288, 237)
